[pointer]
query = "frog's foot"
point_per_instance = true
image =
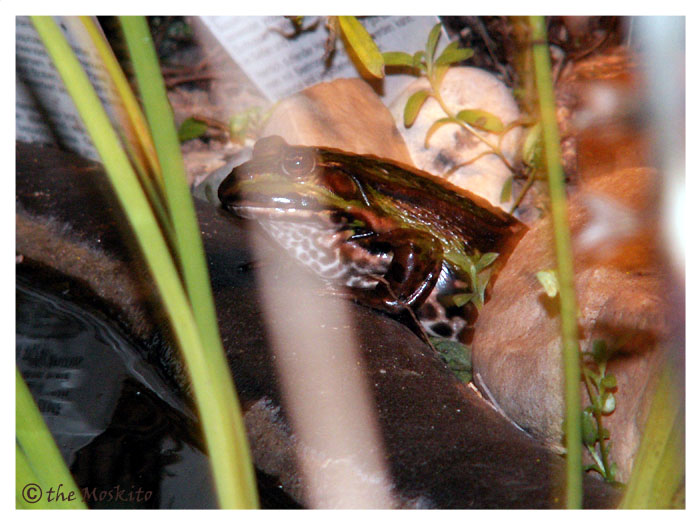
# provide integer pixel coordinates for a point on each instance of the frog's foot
(412, 273)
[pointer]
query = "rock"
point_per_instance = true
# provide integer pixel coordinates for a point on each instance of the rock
(622, 298)
(462, 88)
(344, 114)
(445, 446)
(624, 292)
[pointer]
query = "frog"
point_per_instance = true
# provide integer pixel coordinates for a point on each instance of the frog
(400, 239)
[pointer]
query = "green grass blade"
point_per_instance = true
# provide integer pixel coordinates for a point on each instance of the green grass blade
(38, 460)
(131, 105)
(143, 155)
(565, 265)
(189, 246)
(659, 467)
(209, 373)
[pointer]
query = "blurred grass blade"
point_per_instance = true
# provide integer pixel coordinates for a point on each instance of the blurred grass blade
(190, 249)
(205, 363)
(37, 457)
(189, 244)
(362, 45)
(131, 105)
(565, 264)
(143, 155)
(659, 467)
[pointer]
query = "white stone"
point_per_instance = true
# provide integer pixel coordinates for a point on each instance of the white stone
(463, 88)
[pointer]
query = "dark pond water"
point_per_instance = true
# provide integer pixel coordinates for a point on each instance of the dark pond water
(123, 432)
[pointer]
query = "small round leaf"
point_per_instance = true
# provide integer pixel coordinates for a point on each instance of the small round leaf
(481, 119)
(413, 105)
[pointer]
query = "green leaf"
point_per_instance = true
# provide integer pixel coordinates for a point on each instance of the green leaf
(609, 382)
(413, 105)
(532, 146)
(486, 260)
(191, 128)
(433, 38)
(589, 428)
(456, 355)
(600, 350)
(438, 74)
(362, 45)
(419, 60)
(451, 55)
(507, 191)
(449, 48)
(435, 126)
(549, 281)
(658, 475)
(481, 119)
(398, 58)
(462, 298)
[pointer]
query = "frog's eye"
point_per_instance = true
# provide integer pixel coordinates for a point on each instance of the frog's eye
(298, 162)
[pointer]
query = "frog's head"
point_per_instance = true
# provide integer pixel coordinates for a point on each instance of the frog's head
(286, 182)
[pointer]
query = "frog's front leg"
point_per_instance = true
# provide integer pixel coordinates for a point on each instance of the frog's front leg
(412, 273)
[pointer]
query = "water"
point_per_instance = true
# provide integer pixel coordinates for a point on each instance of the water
(123, 432)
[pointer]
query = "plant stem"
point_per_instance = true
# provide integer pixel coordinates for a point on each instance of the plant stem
(593, 394)
(525, 189)
(435, 92)
(565, 266)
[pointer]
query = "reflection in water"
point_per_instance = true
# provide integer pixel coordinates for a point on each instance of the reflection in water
(128, 439)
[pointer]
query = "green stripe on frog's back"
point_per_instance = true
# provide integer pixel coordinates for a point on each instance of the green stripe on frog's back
(456, 216)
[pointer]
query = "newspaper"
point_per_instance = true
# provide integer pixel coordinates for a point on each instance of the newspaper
(278, 65)
(44, 111)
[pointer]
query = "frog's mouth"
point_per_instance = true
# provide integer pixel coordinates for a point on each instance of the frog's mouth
(273, 197)
(270, 211)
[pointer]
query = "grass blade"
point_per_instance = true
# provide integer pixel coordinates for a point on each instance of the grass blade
(38, 460)
(211, 380)
(659, 468)
(565, 265)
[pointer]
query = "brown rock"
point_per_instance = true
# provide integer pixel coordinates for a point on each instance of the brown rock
(621, 299)
(344, 114)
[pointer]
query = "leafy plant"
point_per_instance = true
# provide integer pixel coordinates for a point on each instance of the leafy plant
(600, 386)
(425, 63)
(477, 265)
